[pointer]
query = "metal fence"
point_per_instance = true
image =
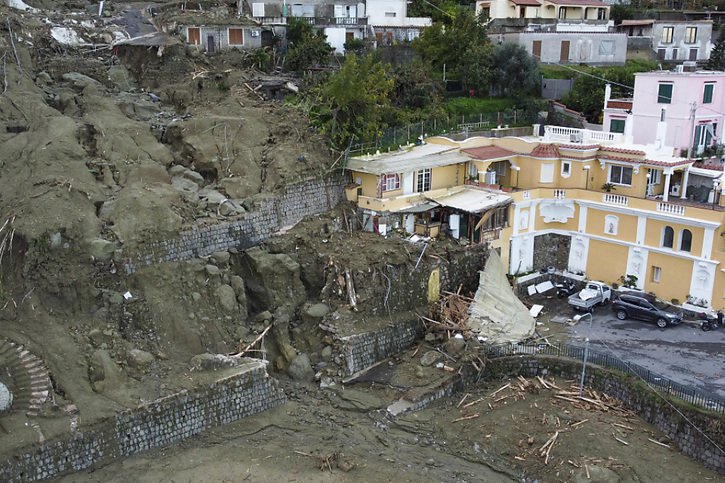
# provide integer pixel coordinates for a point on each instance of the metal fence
(393, 137)
(664, 385)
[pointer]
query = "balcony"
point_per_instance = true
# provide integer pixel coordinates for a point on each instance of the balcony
(316, 21)
(570, 135)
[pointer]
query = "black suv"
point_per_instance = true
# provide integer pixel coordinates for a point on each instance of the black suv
(637, 305)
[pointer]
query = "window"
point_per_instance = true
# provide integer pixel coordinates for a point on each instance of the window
(675, 53)
(391, 182)
(499, 167)
(236, 36)
(661, 54)
(654, 176)
(668, 237)
(620, 175)
(686, 240)
(616, 125)
(656, 274)
(193, 35)
(601, 14)
(562, 12)
(690, 35)
(664, 93)
(611, 224)
(566, 168)
(547, 173)
(257, 10)
(391, 14)
(707, 93)
(667, 33)
(606, 47)
(693, 54)
(423, 180)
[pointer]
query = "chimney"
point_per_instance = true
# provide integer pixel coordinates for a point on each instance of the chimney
(661, 129)
(607, 94)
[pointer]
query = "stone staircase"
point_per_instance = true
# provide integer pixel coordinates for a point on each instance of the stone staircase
(26, 376)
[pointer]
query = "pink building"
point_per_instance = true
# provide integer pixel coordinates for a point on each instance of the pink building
(679, 109)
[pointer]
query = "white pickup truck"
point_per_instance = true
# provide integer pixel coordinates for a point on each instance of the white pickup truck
(593, 294)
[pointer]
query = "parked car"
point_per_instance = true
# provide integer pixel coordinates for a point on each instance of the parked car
(647, 307)
(593, 294)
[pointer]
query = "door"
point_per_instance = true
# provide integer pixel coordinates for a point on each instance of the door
(564, 54)
(349, 36)
(536, 50)
(693, 54)
(210, 44)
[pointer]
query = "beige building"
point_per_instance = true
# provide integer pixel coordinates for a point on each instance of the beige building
(588, 203)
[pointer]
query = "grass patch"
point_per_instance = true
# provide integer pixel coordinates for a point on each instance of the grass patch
(474, 105)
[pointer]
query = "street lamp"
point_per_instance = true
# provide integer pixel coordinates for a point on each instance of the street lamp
(586, 169)
(586, 352)
(516, 169)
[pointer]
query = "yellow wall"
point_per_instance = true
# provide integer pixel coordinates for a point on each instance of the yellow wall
(446, 176)
(606, 261)
(369, 183)
(675, 279)
(601, 176)
(627, 227)
(571, 224)
(653, 235)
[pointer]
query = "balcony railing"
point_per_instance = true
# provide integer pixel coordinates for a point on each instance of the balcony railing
(559, 194)
(572, 135)
(670, 208)
(619, 200)
(316, 21)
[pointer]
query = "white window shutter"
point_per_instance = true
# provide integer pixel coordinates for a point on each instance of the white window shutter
(258, 10)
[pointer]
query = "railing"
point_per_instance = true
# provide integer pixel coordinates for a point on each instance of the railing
(670, 208)
(580, 136)
(559, 194)
(271, 20)
(611, 199)
(662, 384)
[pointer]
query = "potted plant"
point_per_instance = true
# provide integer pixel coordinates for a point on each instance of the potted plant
(608, 187)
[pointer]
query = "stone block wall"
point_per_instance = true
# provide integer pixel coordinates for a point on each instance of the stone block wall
(298, 200)
(551, 250)
(363, 350)
(159, 423)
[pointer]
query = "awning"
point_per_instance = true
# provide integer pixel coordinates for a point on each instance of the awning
(470, 199)
(707, 173)
(419, 208)
(636, 23)
(530, 3)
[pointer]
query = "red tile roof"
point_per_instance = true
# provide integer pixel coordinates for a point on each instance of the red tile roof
(579, 147)
(532, 3)
(545, 151)
(648, 162)
(488, 152)
(623, 151)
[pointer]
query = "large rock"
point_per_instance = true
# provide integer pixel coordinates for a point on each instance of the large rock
(237, 284)
(139, 359)
(102, 250)
(273, 280)
(227, 298)
(103, 372)
(212, 362)
(300, 368)
(314, 313)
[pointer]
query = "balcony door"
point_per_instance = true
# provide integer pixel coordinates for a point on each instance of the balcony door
(564, 54)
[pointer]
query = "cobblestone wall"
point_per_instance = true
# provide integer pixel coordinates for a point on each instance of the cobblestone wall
(551, 250)
(364, 350)
(159, 423)
(637, 397)
(297, 201)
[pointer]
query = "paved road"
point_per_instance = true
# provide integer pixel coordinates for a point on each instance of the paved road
(682, 353)
(134, 21)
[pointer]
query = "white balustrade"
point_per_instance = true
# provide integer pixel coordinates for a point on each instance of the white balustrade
(671, 208)
(619, 200)
(559, 194)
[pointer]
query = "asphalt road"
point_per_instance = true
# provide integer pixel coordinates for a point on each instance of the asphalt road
(683, 353)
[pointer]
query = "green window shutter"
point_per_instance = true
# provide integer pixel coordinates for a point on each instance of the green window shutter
(664, 94)
(616, 125)
(707, 95)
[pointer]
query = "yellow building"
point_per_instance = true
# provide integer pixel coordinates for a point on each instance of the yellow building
(585, 202)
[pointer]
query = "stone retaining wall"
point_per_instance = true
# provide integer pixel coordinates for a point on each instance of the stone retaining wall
(363, 350)
(166, 421)
(273, 213)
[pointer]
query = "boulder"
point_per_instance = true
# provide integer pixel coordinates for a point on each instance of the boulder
(139, 359)
(212, 362)
(227, 298)
(300, 368)
(430, 358)
(187, 189)
(314, 313)
(272, 280)
(237, 284)
(102, 250)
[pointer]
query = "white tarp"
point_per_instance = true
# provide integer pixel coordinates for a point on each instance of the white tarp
(496, 313)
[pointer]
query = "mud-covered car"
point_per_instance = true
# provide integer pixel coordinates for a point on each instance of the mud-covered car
(642, 306)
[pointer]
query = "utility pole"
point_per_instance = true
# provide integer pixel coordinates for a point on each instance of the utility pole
(693, 110)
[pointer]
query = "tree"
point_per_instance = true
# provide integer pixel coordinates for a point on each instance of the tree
(353, 100)
(515, 72)
(414, 87)
(441, 11)
(717, 57)
(476, 68)
(307, 46)
(444, 44)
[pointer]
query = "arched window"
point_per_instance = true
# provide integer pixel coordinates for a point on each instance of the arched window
(686, 240)
(668, 237)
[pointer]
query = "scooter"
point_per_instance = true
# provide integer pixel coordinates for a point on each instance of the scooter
(710, 321)
(563, 290)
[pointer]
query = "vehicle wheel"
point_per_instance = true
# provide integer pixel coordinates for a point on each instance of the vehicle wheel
(604, 302)
(661, 323)
(621, 314)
